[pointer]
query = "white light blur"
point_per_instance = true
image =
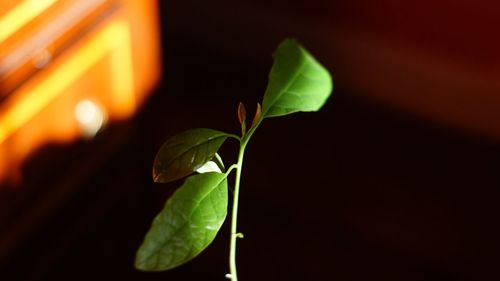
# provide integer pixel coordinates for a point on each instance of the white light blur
(90, 116)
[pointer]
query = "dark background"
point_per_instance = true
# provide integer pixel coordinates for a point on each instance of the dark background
(370, 188)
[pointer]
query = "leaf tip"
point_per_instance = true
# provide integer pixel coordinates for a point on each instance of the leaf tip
(156, 176)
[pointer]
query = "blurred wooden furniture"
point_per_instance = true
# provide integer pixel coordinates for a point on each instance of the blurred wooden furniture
(68, 67)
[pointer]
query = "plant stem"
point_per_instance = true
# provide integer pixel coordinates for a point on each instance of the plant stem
(234, 216)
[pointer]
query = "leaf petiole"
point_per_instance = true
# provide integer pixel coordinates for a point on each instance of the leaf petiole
(236, 137)
(230, 169)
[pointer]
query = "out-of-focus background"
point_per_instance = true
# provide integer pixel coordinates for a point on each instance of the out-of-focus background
(397, 178)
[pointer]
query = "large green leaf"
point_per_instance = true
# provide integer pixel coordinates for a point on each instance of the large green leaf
(184, 153)
(187, 224)
(297, 82)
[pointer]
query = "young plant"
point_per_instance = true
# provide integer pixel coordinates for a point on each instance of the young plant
(193, 215)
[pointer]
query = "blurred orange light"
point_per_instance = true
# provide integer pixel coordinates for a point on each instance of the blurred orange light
(32, 100)
(20, 15)
(111, 44)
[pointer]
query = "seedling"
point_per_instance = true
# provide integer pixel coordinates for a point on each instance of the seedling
(194, 214)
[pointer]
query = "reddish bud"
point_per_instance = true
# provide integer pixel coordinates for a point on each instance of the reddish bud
(258, 114)
(242, 116)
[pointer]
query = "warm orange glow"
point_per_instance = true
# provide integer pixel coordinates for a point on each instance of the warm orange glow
(112, 45)
(20, 15)
(30, 101)
(121, 63)
(69, 67)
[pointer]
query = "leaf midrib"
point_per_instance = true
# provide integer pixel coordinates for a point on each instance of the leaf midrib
(288, 84)
(192, 147)
(185, 223)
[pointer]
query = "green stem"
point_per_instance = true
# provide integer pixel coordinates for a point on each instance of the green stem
(234, 216)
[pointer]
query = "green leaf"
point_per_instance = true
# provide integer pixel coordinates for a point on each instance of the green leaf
(214, 165)
(208, 167)
(297, 82)
(218, 160)
(184, 153)
(187, 224)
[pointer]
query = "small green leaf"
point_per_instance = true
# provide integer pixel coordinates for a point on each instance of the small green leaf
(214, 165)
(184, 153)
(218, 160)
(208, 167)
(187, 224)
(297, 82)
